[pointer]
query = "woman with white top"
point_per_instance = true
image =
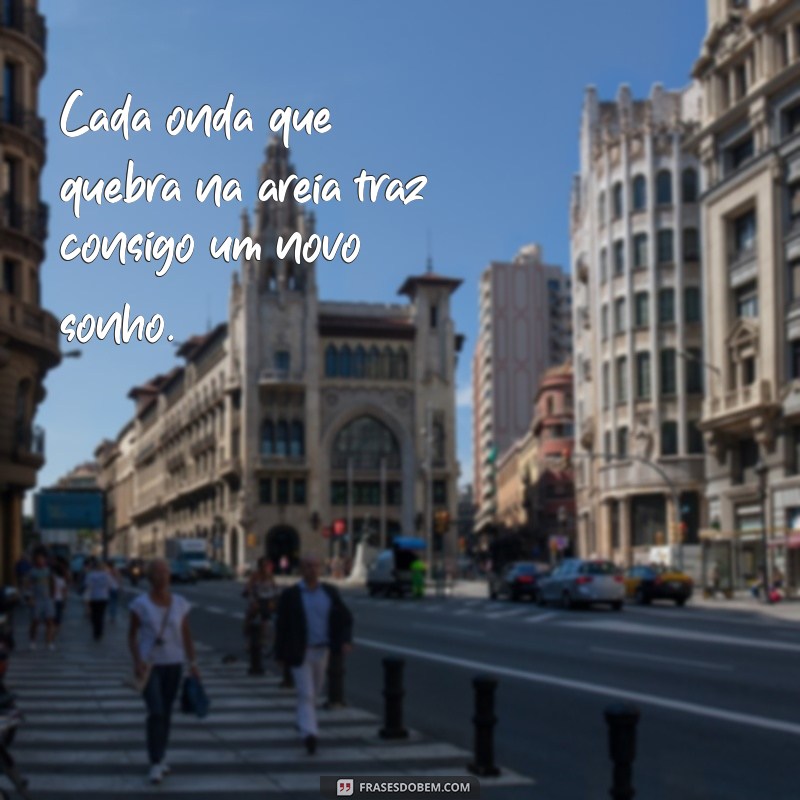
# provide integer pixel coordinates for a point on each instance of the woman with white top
(60, 591)
(160, 640)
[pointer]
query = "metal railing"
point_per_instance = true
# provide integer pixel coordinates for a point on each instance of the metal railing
(27, 21)
(32, 222)
(20, 117)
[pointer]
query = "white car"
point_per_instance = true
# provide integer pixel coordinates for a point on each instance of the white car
(578, 582)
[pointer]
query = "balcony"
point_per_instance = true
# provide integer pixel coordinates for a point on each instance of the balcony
(283, 462)
(29, 122)
(230, 467)
(736, 408)
(30, 326)
(28, 444)
(31, 222)
(26, 21)
(273, 377)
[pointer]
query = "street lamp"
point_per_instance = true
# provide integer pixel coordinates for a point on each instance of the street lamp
(762, 471)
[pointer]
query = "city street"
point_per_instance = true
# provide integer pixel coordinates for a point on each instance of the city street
(716, 688)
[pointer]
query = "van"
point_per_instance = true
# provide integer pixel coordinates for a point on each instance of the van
(390, 573)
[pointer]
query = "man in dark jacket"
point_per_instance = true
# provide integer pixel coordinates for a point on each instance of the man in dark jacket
(312, 622)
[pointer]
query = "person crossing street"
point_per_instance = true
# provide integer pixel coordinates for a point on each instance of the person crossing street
(313, 621)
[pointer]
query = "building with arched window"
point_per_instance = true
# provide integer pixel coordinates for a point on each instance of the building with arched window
(300, 417)
(638, 338)
(28, 334)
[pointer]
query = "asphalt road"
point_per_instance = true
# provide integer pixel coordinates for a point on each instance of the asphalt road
(717, 690)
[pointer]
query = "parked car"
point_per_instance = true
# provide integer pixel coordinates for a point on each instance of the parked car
(579, 582)
(517, 580)
(645, 584)
(219, 569)
(181, 572)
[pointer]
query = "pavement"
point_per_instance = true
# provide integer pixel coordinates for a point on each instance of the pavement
(83, 735)
(715, 682)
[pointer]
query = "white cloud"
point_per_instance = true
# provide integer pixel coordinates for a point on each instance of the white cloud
(464, 397)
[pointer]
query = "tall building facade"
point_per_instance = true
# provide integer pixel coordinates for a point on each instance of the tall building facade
(749, 146)
(635, 229)
(525, 327)
(29, 344)
(299, 417)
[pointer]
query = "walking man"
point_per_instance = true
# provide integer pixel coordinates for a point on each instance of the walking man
(312, 622)
(98, 590)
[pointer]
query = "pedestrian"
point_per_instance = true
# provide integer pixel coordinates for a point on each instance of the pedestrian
(21, 570)
(261, 594)
(60, 591)
(418, 570)
(113, 592)
(40, 590)
(312, 621)
(98, 591)
(160, 641)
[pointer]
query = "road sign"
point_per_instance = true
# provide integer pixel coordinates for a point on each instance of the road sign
(69, 510)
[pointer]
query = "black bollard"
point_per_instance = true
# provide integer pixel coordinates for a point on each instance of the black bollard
(256, 649)
(622, 720)
(484, 721)
(393, 693)
(335, 680)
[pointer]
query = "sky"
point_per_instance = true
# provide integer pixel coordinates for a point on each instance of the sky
(483, 99)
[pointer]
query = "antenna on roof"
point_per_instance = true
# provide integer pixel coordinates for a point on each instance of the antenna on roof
(429, 260)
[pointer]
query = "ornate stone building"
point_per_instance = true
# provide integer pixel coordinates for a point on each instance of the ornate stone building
(299, 413)
(638, 358)
(29, 344)
(749, 146)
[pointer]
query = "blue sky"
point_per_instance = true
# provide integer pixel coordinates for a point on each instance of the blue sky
(484, 99)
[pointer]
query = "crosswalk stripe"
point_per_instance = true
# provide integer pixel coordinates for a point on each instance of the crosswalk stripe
(83, 735)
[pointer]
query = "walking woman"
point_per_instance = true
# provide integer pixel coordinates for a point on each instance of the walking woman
(262, 595)
(160, 642)
(98, 590)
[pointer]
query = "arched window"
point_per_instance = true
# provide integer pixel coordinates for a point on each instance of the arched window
(282, 439)
(689, 185)
(664, 188)
(386, 362)
(364, 443)
(402, 364)
(359, 362)
(267, 438)
(617, 200)
(691, 244)
(394, 366)
(22, 414)
(374, 362)
(297, 445)
(639, 193)
(331, 361)
(345, 362)
(438, 442)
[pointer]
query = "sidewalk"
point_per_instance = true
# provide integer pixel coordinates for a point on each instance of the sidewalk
(83, 735)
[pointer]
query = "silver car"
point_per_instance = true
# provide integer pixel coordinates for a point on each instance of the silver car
(579, 582)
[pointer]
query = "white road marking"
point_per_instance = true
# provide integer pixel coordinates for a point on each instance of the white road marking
(662, 659)
(515, 612)
(448, 629)
(694, 709)
(633, 628)
(541, 617)
(215, 609)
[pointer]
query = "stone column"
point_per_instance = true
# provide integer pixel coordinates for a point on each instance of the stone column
(625, 530)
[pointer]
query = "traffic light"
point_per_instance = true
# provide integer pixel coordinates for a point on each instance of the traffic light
(441, 522)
